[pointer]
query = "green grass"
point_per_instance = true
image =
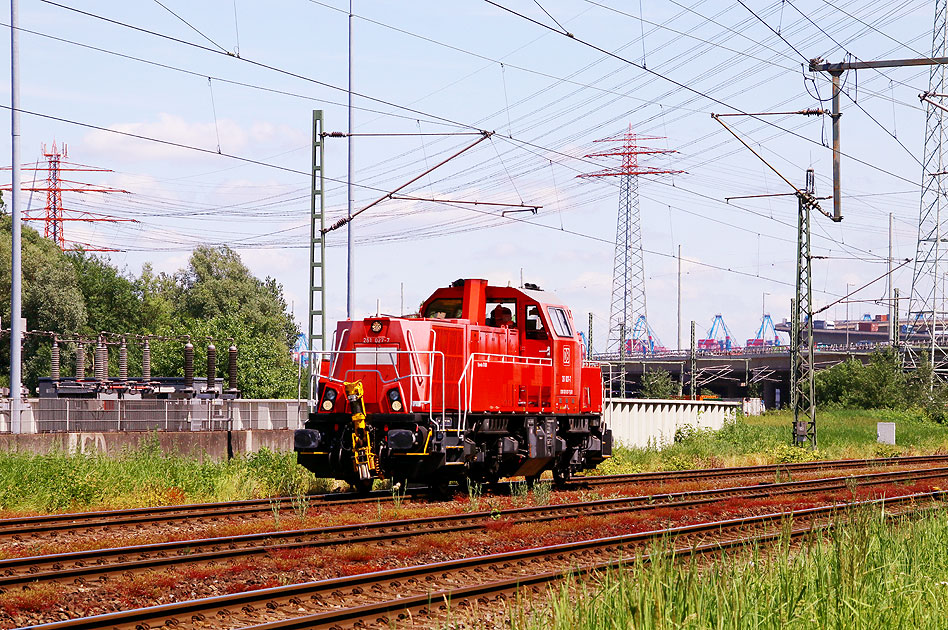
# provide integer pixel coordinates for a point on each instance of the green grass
(866, 575)
(841, 433)
(147, 476)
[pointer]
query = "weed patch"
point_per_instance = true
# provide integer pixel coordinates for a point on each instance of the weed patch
(870, 573)
(146, 476)
(36, 598)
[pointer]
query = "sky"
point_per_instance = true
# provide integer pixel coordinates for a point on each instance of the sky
(213, 102)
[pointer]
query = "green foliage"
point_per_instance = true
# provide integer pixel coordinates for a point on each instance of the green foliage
(843, 433)
(881, 384)
(215, 296)
(788, 454)
(870, 573)
(145, 476)
(542, 492)
(658, 384)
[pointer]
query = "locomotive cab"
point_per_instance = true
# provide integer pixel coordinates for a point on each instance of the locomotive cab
(488, 382)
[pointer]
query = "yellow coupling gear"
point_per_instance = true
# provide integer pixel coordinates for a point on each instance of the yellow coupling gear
(363, 460)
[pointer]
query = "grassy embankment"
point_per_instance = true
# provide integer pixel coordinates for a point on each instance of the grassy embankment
(69, 482)
(144, 477)
(867, 574)
(844, 433)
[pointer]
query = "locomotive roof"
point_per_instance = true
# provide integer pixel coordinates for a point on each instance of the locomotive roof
(543, 297)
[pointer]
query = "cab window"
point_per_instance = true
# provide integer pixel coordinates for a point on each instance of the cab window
(560, 321)
(501, 313)
(535, 328)
(444, 308)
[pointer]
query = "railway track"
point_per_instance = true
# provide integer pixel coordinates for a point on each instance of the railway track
(764, 469)
(49, 525)
(80, 567)
(423, 591)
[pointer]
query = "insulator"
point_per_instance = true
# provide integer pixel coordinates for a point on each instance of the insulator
(211, 367)
(80, 361)
(54, 361)
(123, 362)
(101, 366)
(232, 368)
(146, 362)
(188, 366)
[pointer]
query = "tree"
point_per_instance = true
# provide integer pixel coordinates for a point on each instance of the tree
(658, 384)
(222, 300)
(881, 384)
(110, 295)
(215, 296)
(51, 299)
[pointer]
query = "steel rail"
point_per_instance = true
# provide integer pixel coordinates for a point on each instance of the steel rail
(737, 471)
(32, 525)
(98, 562)
(195, 612)
(24, 525)
(43, 524)
(442, 601)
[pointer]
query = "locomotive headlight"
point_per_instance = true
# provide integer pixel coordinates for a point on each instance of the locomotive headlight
(329, 399)
(376, 327)
(395, 399)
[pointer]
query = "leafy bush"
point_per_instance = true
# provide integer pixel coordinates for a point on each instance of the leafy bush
(882, 384)
(789, 454)
(658, 384)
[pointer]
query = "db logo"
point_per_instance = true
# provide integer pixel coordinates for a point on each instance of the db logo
(566, 355)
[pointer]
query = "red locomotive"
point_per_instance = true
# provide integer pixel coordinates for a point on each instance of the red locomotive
(489, 382)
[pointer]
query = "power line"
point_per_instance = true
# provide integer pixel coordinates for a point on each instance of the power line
(259, 64)
(236, 157)
(684, 86)
(204, 75)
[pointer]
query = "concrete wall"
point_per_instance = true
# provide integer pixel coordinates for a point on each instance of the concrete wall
(633, 422)
(200, 444)
(640, 423)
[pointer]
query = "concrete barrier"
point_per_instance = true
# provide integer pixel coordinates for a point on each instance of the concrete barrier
(753, 406)
(211, 445)
(652, 422)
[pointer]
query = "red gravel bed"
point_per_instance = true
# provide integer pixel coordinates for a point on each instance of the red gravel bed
(53, 602)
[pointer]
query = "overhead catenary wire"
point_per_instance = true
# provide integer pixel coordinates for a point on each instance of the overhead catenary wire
(192, 27)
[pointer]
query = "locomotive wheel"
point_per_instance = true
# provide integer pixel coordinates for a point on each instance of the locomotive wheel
(493, 484)
(362, 487)
(441, 488)
(561, 477)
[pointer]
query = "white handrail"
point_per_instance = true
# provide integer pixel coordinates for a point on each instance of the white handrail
(503, 358)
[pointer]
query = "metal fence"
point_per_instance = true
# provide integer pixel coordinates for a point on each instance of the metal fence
(46, 415)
